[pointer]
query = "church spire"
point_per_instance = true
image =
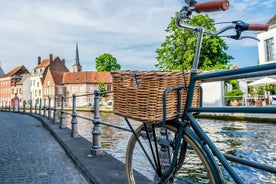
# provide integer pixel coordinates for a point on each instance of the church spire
(77, 55)
(77, 67)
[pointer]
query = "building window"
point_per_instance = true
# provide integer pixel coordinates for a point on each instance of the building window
(80, 88)
(60, 90)
(91, 88)
(52, 89)
(90, 100)
(72, 89)
(269, 48)
(109, 87)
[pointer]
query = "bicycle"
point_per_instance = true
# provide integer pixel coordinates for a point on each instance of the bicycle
(177, 150)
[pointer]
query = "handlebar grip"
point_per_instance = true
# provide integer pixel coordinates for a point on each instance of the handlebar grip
(219, 5)
(258, 27)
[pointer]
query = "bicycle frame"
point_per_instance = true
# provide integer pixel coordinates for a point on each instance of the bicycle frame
(186, 123)
(246, 72)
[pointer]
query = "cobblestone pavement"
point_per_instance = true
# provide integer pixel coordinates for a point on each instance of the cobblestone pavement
(30, 154)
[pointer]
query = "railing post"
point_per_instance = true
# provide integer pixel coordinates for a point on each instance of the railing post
(44, 108)
(35, 108)
(31, 106)
(96, 132)
(49, 107)
(55, 109)
(24, 106)
(18, 109)
(62, 125)
(40, 105)
(74, 122)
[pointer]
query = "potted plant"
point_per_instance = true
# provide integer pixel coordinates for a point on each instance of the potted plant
(234, 96)
(260, 92)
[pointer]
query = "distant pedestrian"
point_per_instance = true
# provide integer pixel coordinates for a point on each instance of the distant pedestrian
(15, 102)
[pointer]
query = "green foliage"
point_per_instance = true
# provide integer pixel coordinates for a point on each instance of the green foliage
(260, 90)
(234, 83)
(174, 55)
(107, 63)
(102, 88)
(235, 94)
(252, 91)
(270, 87)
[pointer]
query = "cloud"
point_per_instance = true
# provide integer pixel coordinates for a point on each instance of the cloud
(131, 30)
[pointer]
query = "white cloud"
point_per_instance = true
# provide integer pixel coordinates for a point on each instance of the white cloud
(131, 30)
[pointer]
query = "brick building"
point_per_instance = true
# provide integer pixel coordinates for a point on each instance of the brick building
(8, 84)
(40, 89)
(82, 83)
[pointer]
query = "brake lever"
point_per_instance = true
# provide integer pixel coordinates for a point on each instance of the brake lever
(250, 37)
(236, 37)
(240, 26)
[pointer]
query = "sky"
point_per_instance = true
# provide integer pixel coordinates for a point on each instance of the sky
(130, 30)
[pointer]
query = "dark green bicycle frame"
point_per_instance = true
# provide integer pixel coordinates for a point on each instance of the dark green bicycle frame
(187, 117)
(247, 72)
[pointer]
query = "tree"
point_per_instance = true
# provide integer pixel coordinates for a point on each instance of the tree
(102, 89)
(174, 55)
(106, 63)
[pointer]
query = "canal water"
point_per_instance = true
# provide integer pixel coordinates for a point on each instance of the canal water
(253, 141)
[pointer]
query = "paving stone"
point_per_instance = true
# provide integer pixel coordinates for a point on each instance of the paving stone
(30, 154)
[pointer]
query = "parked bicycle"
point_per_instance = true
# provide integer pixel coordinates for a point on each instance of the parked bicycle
(170, 146)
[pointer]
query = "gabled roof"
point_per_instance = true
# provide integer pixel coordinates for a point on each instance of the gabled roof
(272, 21)
(86, 77)
(57, 76)
(43, 64)
(16, 71)
(46, 62)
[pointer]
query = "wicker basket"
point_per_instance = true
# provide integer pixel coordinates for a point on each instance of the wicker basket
(139, 94)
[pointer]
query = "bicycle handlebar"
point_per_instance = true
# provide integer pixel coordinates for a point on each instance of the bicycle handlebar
(258, 27)
(216, 5)
(211, 6)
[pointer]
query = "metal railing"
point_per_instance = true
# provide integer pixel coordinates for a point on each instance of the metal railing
(50, 112)
(48, 108)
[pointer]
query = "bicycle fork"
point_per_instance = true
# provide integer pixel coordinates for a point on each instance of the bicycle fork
(170, 165)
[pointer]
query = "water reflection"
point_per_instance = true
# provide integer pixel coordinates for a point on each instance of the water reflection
(252, 141)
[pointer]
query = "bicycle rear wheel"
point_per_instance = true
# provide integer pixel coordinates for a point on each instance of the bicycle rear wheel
(195, 165)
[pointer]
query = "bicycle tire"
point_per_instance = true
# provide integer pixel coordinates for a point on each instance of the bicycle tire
(200, 169)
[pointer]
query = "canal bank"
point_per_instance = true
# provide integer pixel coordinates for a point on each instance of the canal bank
(256, 118)
(97, 169)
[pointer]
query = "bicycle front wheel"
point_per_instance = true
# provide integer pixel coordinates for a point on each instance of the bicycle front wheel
(142, 165)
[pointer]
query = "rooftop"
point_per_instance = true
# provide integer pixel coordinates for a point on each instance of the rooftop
(86, 77)
(18, 70)
(272, 21)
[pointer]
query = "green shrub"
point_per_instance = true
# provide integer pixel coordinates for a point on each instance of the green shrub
(235, 94)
